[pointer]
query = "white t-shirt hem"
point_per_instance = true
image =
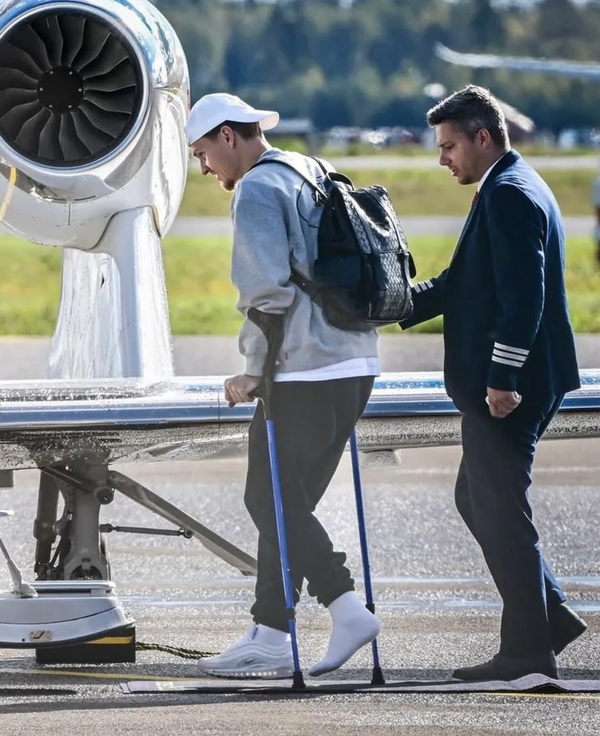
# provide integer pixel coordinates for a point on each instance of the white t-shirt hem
(353, 368)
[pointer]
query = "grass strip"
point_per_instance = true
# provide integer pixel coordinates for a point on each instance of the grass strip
(202, 299)
(413, 191)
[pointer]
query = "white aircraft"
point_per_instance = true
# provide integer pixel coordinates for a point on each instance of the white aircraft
(578, 69)
(93, 160)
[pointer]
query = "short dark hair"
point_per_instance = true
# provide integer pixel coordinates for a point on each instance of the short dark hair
(244, 130)
(471, 109)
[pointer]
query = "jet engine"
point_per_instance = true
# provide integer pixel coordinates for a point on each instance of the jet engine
(94, 96)
(93, 100)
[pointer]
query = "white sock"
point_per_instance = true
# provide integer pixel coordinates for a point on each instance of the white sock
(352, 626)
(270, 637)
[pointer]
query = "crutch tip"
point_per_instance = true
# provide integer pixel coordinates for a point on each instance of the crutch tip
(298, 681)
(377, 677)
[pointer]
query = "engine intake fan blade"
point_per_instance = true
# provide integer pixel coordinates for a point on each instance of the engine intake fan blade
(71, 88)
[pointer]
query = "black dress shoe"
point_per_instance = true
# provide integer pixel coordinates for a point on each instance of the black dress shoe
(505, 668)
(565, 627)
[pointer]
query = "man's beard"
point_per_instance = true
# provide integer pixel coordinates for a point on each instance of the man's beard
(228, 185)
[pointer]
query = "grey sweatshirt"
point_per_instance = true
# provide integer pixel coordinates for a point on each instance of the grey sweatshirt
(275, 222)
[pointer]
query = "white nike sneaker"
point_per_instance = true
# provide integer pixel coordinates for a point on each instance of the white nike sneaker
(249, 657)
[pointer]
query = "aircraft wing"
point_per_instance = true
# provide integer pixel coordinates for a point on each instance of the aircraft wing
(580, 69)
(54, 422)
(70, 428)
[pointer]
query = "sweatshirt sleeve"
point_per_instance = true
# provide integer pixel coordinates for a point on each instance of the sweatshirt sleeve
(428, 300)
(260, 266)
(516, 231)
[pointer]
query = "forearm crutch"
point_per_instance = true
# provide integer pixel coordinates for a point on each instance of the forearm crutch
(377, 675)
(272, 328)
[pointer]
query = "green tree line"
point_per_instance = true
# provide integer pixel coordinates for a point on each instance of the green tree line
(367, 62)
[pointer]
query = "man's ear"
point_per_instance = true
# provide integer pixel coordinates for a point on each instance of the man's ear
(229, 135)
(484, 138)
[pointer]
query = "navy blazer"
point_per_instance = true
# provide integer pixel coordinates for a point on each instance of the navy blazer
(506, 321)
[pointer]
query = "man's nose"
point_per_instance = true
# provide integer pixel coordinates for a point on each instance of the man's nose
(443, 159)
(204, 168)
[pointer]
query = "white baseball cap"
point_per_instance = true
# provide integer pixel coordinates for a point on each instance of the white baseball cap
(212, 110)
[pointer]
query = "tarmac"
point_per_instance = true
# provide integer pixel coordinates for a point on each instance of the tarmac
(438, 606)
(443, 226)
(25, 358)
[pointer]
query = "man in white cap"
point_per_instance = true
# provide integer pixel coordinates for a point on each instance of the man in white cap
(322, 382)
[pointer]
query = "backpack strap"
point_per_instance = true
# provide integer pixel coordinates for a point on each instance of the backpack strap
(304, 283)
(306, 177)
(333, 175)
(321, 165)
(320, 197)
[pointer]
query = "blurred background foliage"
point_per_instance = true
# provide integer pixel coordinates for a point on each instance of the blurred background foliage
(367, 62)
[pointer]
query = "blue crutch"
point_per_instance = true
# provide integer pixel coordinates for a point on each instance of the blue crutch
(377, 675)
(272, 328)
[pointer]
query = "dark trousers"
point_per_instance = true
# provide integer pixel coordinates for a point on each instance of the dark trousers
(492, 496)
(313, 422)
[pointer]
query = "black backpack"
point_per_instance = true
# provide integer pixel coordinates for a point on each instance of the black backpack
(361, 277)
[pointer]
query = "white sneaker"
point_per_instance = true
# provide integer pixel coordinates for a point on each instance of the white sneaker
(250, 657)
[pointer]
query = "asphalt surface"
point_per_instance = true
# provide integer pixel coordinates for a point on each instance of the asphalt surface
(438, 607)
(24, 358)
(440, 225)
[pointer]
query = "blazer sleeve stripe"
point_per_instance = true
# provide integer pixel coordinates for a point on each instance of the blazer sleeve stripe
(504, 361)
(518, 359)
(509, 348)
(422, 286)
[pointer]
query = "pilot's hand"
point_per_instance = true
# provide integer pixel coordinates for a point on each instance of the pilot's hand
(239, 388)
(501, 403)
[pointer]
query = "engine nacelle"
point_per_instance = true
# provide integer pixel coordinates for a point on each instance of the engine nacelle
(93, 101)
(94, 96)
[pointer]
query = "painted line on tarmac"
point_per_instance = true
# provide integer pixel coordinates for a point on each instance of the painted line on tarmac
(159, 678)
(94, 675)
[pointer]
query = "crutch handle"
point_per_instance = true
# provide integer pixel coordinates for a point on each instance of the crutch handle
(271, 325)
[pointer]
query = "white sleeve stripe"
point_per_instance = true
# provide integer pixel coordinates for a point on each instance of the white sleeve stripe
(519, 351)
(495, 359)
(504, 354)
(422, 286)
